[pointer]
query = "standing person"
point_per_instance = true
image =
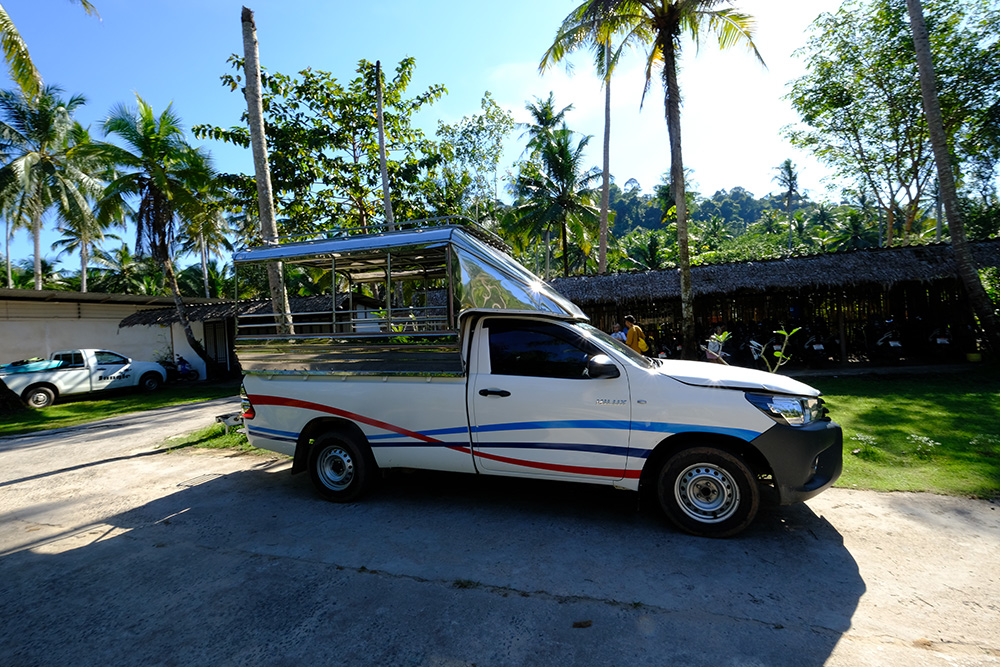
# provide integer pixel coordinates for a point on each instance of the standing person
(635, 338)
(617, 333)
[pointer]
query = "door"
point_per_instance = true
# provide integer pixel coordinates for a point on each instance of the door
(536, 409)
(110, 371)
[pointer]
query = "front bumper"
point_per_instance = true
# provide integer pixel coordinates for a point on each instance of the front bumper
(804, 460)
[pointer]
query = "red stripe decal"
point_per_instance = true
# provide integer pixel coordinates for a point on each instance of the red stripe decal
(553, 467)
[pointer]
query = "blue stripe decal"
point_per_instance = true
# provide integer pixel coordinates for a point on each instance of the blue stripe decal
(612, 450)
(620, 425)
(272, 434)
(464, 430)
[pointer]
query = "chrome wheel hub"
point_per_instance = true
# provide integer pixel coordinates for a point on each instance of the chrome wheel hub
(336, 468)
(706, 493)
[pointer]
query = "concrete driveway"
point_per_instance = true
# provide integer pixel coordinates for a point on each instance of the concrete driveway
(114, 552)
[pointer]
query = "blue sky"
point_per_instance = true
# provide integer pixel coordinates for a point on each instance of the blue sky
(174, 51)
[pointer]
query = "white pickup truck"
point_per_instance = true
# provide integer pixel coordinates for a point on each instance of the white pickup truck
(472, 364)
(40, 382)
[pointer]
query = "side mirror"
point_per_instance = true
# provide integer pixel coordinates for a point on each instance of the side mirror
(601, 366)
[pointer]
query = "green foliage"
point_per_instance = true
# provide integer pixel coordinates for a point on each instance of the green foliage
(476, 146)
(323, 147)
(860, 102)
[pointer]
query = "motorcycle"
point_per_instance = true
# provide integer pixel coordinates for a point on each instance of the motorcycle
(180, 370)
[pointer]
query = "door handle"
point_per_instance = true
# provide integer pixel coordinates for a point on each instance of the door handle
(494, 392)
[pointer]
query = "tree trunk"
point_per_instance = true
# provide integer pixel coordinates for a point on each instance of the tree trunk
(967, 271)
(83, 262)
(204, 264)
(36, 234)
(673, 108)
(262, 172)
(168, 272)
(602, 250)
(383, 168)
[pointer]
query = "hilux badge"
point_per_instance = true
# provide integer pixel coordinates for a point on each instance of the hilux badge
(611, 401)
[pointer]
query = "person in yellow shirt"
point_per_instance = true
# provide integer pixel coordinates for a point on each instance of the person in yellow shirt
(635, 337)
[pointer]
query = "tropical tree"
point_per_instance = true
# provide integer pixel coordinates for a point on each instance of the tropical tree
(476, 144)
(575, 33)
(967, 271)
(647, 250)
(22, 70)
(323, 147)
(40, 174)
(161, 174)
(860, 100)
(557, 193)
(661, 25)
(852, 230)
(788, 179)
(126, 274)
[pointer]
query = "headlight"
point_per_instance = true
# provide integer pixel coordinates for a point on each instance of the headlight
(791, 410)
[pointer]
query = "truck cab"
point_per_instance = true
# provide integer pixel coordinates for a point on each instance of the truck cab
(462, 360)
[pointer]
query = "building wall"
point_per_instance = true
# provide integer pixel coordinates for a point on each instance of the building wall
(37, 329)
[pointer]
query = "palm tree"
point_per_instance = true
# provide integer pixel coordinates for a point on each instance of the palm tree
(967, 271)
(163, 173)
(661, 24)
(788, 179)
(555, 193)
(851, 231)
(41, 173)
(572, 35)
(15, 52)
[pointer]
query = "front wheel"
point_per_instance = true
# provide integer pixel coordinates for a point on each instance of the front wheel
(708, 492)
(340, 468)
(150, 382)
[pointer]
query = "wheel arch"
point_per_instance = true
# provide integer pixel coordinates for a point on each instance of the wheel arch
(316, 428)
(671, 445)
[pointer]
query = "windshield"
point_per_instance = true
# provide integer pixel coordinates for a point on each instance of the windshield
(593, 332)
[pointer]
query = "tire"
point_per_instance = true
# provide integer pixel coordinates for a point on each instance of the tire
(341, 469)
(150, 382)
(192, 375)
(708, 492)
(39, 397)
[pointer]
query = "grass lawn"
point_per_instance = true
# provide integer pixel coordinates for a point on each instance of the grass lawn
(83, 409)
(928, 432)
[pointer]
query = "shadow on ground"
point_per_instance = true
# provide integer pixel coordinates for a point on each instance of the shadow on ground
(434, 569)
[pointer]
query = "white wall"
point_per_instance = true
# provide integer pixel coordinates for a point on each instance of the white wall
(35, 329)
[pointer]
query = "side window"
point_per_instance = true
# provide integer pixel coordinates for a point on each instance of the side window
(69, 359)
(110, 358)
(536, 350)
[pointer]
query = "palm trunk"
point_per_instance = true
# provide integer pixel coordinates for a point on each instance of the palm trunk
(204, 265)
(381, 148)
(602, 251)
(83, 264)
(673, 107)
(6, 252)
(193, 343)
(967, 271)
(262, 172)
(36, 234)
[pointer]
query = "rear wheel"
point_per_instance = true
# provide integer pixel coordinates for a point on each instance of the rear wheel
(341, 469)
(709, 492)
(39, 397)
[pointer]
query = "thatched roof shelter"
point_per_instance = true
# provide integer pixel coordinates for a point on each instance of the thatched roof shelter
(883, 268)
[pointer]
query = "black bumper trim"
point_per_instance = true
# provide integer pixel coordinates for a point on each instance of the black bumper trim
(790, 451)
